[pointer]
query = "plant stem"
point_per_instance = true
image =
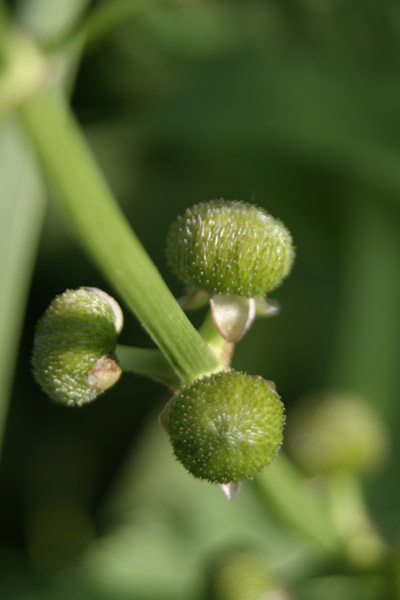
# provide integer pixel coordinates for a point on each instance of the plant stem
(285, 488)
(99, 23)
(106, 235)
(222, 349)
(364, 545)
(148, 362)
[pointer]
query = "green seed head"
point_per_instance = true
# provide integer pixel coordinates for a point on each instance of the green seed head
(336, 431)
(229, 247)
(72, 355)
(225, 427)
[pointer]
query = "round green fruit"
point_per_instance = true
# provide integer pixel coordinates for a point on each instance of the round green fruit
(72, 356)
(225, 427)
(229, 247)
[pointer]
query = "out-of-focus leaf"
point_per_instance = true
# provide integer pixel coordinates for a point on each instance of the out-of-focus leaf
(21, 215)
(22, 203)
(321, 111)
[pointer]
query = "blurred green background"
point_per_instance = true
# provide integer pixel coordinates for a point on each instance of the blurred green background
(293, 106)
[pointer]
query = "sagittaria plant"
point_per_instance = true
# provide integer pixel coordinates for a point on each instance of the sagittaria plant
(224, 426)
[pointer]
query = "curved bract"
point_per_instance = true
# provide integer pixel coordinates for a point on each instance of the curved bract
(72, 356)
(226, 427)
(229, 247)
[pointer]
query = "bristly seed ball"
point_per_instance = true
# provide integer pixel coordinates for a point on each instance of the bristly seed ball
(229, 247)
(225, 427)
(72, 356)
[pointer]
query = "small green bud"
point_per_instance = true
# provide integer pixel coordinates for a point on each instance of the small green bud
(229, 247)
(225, 427)
(336, 431)
(72, 356)
(241, 575)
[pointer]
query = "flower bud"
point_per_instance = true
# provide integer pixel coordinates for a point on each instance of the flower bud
(72, 356)
(229, 247)
(336, 431)
(225, 427)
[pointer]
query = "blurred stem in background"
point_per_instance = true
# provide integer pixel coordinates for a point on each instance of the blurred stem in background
(21, 216)
(100, 23)
(22, 207)
(363, 544)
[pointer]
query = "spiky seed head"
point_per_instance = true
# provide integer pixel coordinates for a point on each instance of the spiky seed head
(334, 430)
(225, 427)
(72, 356)
(229, 247)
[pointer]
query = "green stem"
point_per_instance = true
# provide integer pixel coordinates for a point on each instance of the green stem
(220, 347)
(99, 23)
(365, 547)
(285, 488)
(108, 238)
(147, 362)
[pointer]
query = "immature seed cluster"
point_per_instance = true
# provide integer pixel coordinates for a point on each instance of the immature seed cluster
(225, 427)
(229, 247)
(72, 355)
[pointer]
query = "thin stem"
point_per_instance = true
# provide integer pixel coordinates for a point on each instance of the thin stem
(285, 488)
(364, 546)
(147, 362)
(107, 237)
(222, 349)
(99, 23)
